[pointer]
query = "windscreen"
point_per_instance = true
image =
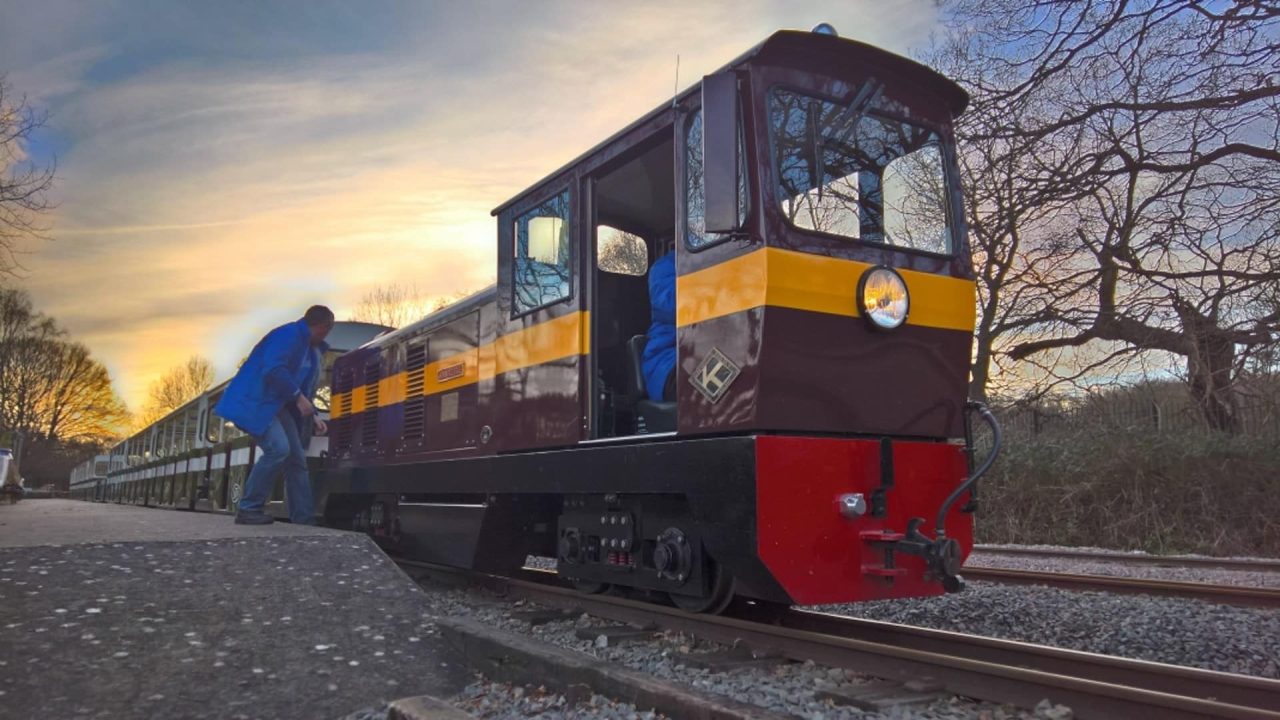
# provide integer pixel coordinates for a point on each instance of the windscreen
(859, 169)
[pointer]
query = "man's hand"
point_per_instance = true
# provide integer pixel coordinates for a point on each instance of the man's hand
(321, 427)
(305, 407)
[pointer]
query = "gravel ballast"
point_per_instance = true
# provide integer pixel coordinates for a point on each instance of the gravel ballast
(503, 701)
(786, 687)
(1160, 629)
(1170, 630)
(1113, 568)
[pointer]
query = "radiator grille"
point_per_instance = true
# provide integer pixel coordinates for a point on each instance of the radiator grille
(415, 405)
(340, 430)
(369, 423)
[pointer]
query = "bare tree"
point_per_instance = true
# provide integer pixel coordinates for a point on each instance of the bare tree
(51, 390)
(1014, 226)
(177, 387)
(445, 301)
(1140, 215)
(621, 252)
(80, 405)
(393, 305)
(23, 331)
(398, 305)
(24, 186)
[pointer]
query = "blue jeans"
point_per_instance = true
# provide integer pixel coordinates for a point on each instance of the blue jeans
(281, 446)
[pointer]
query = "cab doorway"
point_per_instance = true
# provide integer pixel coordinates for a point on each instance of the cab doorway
(633, 225)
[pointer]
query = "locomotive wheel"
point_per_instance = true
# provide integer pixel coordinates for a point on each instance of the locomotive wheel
(716, 601)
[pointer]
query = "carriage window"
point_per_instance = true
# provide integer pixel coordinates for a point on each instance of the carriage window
(621, 252)
(212, 430)
(848, 169)
(542, 267)
(695, 197)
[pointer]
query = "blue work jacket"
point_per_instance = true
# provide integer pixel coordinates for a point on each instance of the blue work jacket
(267, 379)
(660, 342)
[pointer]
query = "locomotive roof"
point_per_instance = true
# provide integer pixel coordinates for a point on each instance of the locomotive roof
(350, 334)
(779, 47)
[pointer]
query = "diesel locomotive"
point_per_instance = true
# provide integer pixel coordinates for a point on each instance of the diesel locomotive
(819, 445)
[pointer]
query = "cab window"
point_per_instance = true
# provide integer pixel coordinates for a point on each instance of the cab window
(859, 169)
(542, 264)
(620, 252)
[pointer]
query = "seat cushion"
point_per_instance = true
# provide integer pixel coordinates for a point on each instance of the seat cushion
(658, 416)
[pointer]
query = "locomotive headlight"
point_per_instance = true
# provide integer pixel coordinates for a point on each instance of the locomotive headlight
(883, 297)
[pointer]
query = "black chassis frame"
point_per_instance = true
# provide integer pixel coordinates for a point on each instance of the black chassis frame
(488, 513)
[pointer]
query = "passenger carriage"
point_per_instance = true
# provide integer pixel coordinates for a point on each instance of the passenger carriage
(193, 460)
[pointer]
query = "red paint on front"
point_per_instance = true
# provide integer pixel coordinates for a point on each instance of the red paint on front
(818, 555)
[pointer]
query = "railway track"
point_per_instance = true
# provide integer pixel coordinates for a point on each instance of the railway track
(1003, 671)
(1225, 594)
(1245, 564)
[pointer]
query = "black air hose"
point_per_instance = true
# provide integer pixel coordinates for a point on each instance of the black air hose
(996, 439)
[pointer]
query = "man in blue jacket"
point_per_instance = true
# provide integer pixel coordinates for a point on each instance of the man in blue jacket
(270, 399)
(659, 359)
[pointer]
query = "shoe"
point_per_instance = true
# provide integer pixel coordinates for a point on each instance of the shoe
(243, 518)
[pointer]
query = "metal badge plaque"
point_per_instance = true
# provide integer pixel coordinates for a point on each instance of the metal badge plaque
(451, 372)
(713, 375)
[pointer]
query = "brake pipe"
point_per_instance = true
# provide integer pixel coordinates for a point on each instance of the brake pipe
(997, 438)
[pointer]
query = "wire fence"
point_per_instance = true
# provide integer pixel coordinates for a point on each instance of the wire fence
(1157, 408)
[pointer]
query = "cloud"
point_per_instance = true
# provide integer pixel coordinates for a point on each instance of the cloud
(223, 170)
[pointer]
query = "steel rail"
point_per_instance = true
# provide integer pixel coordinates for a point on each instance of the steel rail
(1226, 594)
(1246, 564)
(1002, 671)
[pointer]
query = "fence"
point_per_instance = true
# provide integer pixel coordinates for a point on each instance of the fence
(1164, 407)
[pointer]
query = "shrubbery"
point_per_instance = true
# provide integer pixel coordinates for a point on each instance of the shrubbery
(1167, 492)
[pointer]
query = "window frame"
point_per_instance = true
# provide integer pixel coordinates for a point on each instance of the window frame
(944, 154)
(690, 115)
(571, 211)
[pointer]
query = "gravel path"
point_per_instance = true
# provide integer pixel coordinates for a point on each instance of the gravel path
(1083, 566)
(1169, 630)
(261, 627)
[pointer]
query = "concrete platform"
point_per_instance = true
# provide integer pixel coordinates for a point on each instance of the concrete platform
(123, 612)
(62, 522)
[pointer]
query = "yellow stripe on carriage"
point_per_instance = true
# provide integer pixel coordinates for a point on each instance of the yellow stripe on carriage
(391, 390)
(359, 396)
(557, 339)
(451, 373)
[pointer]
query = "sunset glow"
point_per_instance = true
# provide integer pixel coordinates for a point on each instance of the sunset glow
(221, 170)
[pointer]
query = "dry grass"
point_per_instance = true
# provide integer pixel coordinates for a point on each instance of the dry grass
(1169, 492)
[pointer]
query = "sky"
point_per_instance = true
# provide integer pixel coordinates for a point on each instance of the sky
(221, 166)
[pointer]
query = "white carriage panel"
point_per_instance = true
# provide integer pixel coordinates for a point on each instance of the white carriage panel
(240, 456)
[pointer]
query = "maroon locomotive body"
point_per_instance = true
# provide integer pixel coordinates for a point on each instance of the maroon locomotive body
(825, 306)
